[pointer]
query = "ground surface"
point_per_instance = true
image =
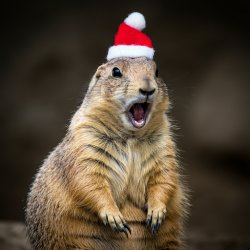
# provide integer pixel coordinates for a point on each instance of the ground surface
(12, 237)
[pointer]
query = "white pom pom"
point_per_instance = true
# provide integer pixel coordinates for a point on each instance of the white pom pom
(136, 20)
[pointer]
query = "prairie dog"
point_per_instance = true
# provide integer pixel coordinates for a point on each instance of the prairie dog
(113, 181)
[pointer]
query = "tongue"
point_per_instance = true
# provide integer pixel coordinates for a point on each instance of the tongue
(138, 112)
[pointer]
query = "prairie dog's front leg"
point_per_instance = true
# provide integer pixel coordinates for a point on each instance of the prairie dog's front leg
(95, 193)
(161, 186)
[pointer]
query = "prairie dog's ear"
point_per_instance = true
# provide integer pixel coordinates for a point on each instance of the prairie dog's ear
(99, 71)
(94, 79)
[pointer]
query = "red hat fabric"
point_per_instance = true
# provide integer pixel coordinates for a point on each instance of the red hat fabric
(130, 41)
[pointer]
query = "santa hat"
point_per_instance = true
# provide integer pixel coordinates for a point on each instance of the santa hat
(130, 41)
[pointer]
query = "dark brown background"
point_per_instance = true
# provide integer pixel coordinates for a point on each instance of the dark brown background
(49, 51)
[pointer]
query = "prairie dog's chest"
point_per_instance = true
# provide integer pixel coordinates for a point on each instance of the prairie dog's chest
(134, 164)
(137, 177)
(139, 164)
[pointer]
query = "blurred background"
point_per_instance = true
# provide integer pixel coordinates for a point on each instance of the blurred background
(49, 51)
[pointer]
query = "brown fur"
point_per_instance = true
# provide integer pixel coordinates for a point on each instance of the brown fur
(106, 169)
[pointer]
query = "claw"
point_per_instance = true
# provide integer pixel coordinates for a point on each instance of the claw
(149, 220)
(107, 221)
(124, 231)
(157, 227)
(153, 229)
(116, 229)
(127, 226)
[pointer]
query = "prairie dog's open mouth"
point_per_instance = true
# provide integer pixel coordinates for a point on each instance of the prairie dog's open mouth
(138, 113)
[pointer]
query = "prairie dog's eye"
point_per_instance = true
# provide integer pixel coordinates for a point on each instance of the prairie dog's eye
(157, 73)
(116, 72)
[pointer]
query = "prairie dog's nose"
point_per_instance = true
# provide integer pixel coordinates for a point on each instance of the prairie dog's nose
(147, 92)
(147, 88)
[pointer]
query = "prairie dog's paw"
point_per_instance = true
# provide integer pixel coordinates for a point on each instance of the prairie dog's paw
(155, 217)
(116, 221)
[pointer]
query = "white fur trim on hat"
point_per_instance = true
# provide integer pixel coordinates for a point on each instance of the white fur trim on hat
(136, 20)
(130, 51)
